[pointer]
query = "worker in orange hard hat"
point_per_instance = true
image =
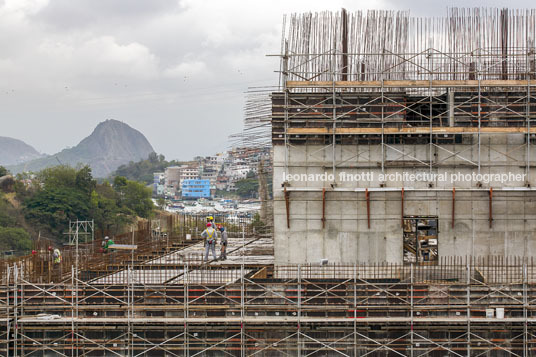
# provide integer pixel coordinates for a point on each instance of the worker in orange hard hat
(210, 235)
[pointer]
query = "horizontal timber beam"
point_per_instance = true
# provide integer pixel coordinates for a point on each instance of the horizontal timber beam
(412, 130)
(410, 84)
(261, 319)
(406, 189)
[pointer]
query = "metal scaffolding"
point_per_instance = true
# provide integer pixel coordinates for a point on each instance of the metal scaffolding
(383, 92)
(385, 78)
(462, 307)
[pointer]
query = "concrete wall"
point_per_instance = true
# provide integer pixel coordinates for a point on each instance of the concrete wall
(346, 237)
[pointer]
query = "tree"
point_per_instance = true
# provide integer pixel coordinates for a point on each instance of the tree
(7, 218)
(119, 183)
(16, 239)
(247, 188)
(144, 170)
(134, 196)
(153, 157)
(161, 203)
(84, 180)
(109, 218)
(63, 194)
(53, 207)
(137, 198)
(57, 176)
(3, 171)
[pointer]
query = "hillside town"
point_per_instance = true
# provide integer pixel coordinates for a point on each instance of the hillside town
(191, 186)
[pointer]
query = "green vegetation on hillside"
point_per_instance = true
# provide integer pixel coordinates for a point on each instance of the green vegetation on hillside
(143, 170)
(249, 186)
(46, 201)
(16, 239)
(226, 194)
(62, 193)
(12, 234)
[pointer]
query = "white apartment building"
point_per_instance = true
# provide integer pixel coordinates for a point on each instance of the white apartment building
(189, 173)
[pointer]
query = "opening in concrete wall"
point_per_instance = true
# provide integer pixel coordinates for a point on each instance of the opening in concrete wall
(420, 240)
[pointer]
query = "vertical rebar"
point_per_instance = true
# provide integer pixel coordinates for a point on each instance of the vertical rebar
(528, 115)
(242, 311)
(355, 309)
(285, 59)
(411, 284)
(185, 313)
(15, 312)
(525, 310)
(468, 305)
(299, 311)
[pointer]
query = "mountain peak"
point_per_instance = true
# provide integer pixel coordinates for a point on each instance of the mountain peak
(111, 144)
(111, 123)
(16, 151)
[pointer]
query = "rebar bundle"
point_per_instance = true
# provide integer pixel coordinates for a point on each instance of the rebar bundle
(379, 44)
(257, 119)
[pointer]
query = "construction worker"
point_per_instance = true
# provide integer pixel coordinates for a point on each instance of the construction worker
(57, 256)
(106, 248)
(106, 243)
(210, 235)
(210, 220)
(223, 252)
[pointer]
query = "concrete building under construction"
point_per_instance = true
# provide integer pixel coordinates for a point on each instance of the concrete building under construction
(399, 139)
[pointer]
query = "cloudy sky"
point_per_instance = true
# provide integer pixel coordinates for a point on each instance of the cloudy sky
(176, 70)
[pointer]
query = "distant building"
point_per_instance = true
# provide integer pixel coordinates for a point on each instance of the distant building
(238, 171)
(158, 180)
(189, 173)
(172, 180)
(173, 176)
(209, 172)
(217, 159)
(195, 189)
(222, 182)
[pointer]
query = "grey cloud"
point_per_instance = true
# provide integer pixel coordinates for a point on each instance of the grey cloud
(177, 71)
(69, 14)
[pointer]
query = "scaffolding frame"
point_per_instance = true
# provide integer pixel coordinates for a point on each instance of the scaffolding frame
(339, 310)
(308, 108)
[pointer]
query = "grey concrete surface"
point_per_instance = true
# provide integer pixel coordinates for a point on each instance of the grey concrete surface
(346, 237)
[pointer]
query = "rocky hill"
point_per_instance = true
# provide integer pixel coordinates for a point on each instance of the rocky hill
(112, 143)
(13, 151)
